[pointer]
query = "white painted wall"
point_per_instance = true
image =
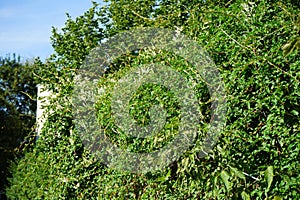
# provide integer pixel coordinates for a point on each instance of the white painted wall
(42, 101)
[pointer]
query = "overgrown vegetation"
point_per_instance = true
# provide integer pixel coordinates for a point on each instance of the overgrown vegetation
(257, 156)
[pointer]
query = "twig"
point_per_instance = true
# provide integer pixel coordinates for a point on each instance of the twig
(250, 176)
(235, 40)
(141, 16)
(44, 79)
(281, 70)
(30, 97)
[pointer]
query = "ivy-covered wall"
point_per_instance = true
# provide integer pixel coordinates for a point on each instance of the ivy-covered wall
(257, 154)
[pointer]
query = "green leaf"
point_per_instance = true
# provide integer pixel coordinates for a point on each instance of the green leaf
(245, 196)
(277, 198)
(295, 112)
(238, 173)
(165, 177)
(224, 176)
(269, 177)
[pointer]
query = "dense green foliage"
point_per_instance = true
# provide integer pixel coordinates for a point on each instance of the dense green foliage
(17, 110)
(257, 156)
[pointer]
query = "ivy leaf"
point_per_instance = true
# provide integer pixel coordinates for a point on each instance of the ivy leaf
(245, 196)
(224, 176)
(238, 173)
(269, 177)
(295, 112)
(165, 177)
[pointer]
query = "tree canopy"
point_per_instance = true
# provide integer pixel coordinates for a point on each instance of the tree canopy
(17, 108)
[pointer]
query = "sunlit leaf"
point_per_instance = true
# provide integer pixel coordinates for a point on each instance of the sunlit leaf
(245, 196)
(224, 176)
(269, 177)
(238, 173)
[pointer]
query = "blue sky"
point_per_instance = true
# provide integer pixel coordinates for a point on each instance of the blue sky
(25, 25)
